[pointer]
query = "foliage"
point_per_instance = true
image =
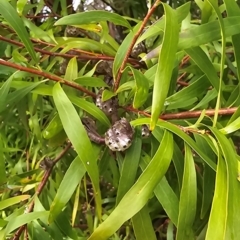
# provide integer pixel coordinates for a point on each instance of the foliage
(175, 68)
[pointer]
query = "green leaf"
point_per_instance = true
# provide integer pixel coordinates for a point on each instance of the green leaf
(3, 175)
(163, 192)
(83, 44)
(158, 26)
(122, 50)
(37, 32)
(165, 64)
(232, 9)
(72, 70)
(135, 199)
(126, 86)
(11, 201)
(218, 215)
(142, 225)
(232, 191)
(232, 127)
(90, 108)
(203, 34)
(130, 167)
(168, 199)
(106, 94)
(4, 92)
(183, 97)
(188, 198)
(79, 139)
(204, 63)
(22, 220)
(174, 129)
(17, 95)
(93, 17)
(11, 16)
(203, 143)
(142, 87)
(53, 128)
(67, 187)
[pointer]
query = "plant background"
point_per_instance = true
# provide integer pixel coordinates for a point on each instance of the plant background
(175, 66)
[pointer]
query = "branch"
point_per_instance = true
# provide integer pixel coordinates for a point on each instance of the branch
(47, 75)
(120, 71)
(187, 114)
(84, 54)
(40, 188)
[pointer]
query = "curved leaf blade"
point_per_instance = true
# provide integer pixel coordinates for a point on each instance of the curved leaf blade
(138, 195)
(11, 16)
(181, 134)
(79, 138)
(142, 225)
(67, 187)
(165, 63)
(142, 88)
(93, 17)
(11, 201)
(188, 198)
(90, 108)
(218, 215)
(231, 162)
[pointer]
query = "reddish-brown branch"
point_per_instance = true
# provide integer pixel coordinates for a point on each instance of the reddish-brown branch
(187, 114)
(47, 75)
(184, 61)
(65, 55)
(182, 83)
(81, 54)
(120, 71)
(42, 184)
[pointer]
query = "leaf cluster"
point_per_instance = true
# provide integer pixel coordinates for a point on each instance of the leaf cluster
(177, 73)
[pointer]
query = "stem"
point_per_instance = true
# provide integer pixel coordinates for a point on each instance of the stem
(120, 71)
(47, 75)
(187, 114)
(84, 54)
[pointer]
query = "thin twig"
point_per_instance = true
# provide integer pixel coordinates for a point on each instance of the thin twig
(84, 55)
(120, 71)
(187, 114)
(40, 188)
(47, 75)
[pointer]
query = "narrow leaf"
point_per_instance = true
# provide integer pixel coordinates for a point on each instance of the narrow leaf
(79, 138)
(142, 225)
(165, 63)
(11, 16)
(11, 201)
(188, 198)
(142, 87)
(67, 187)
(138, 195)
(93, 17)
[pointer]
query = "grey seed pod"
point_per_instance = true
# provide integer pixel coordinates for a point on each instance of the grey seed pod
(145, 131)
(105, 67)
(120, 136)
(46, 163)
(109, 107)
(138, 49)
